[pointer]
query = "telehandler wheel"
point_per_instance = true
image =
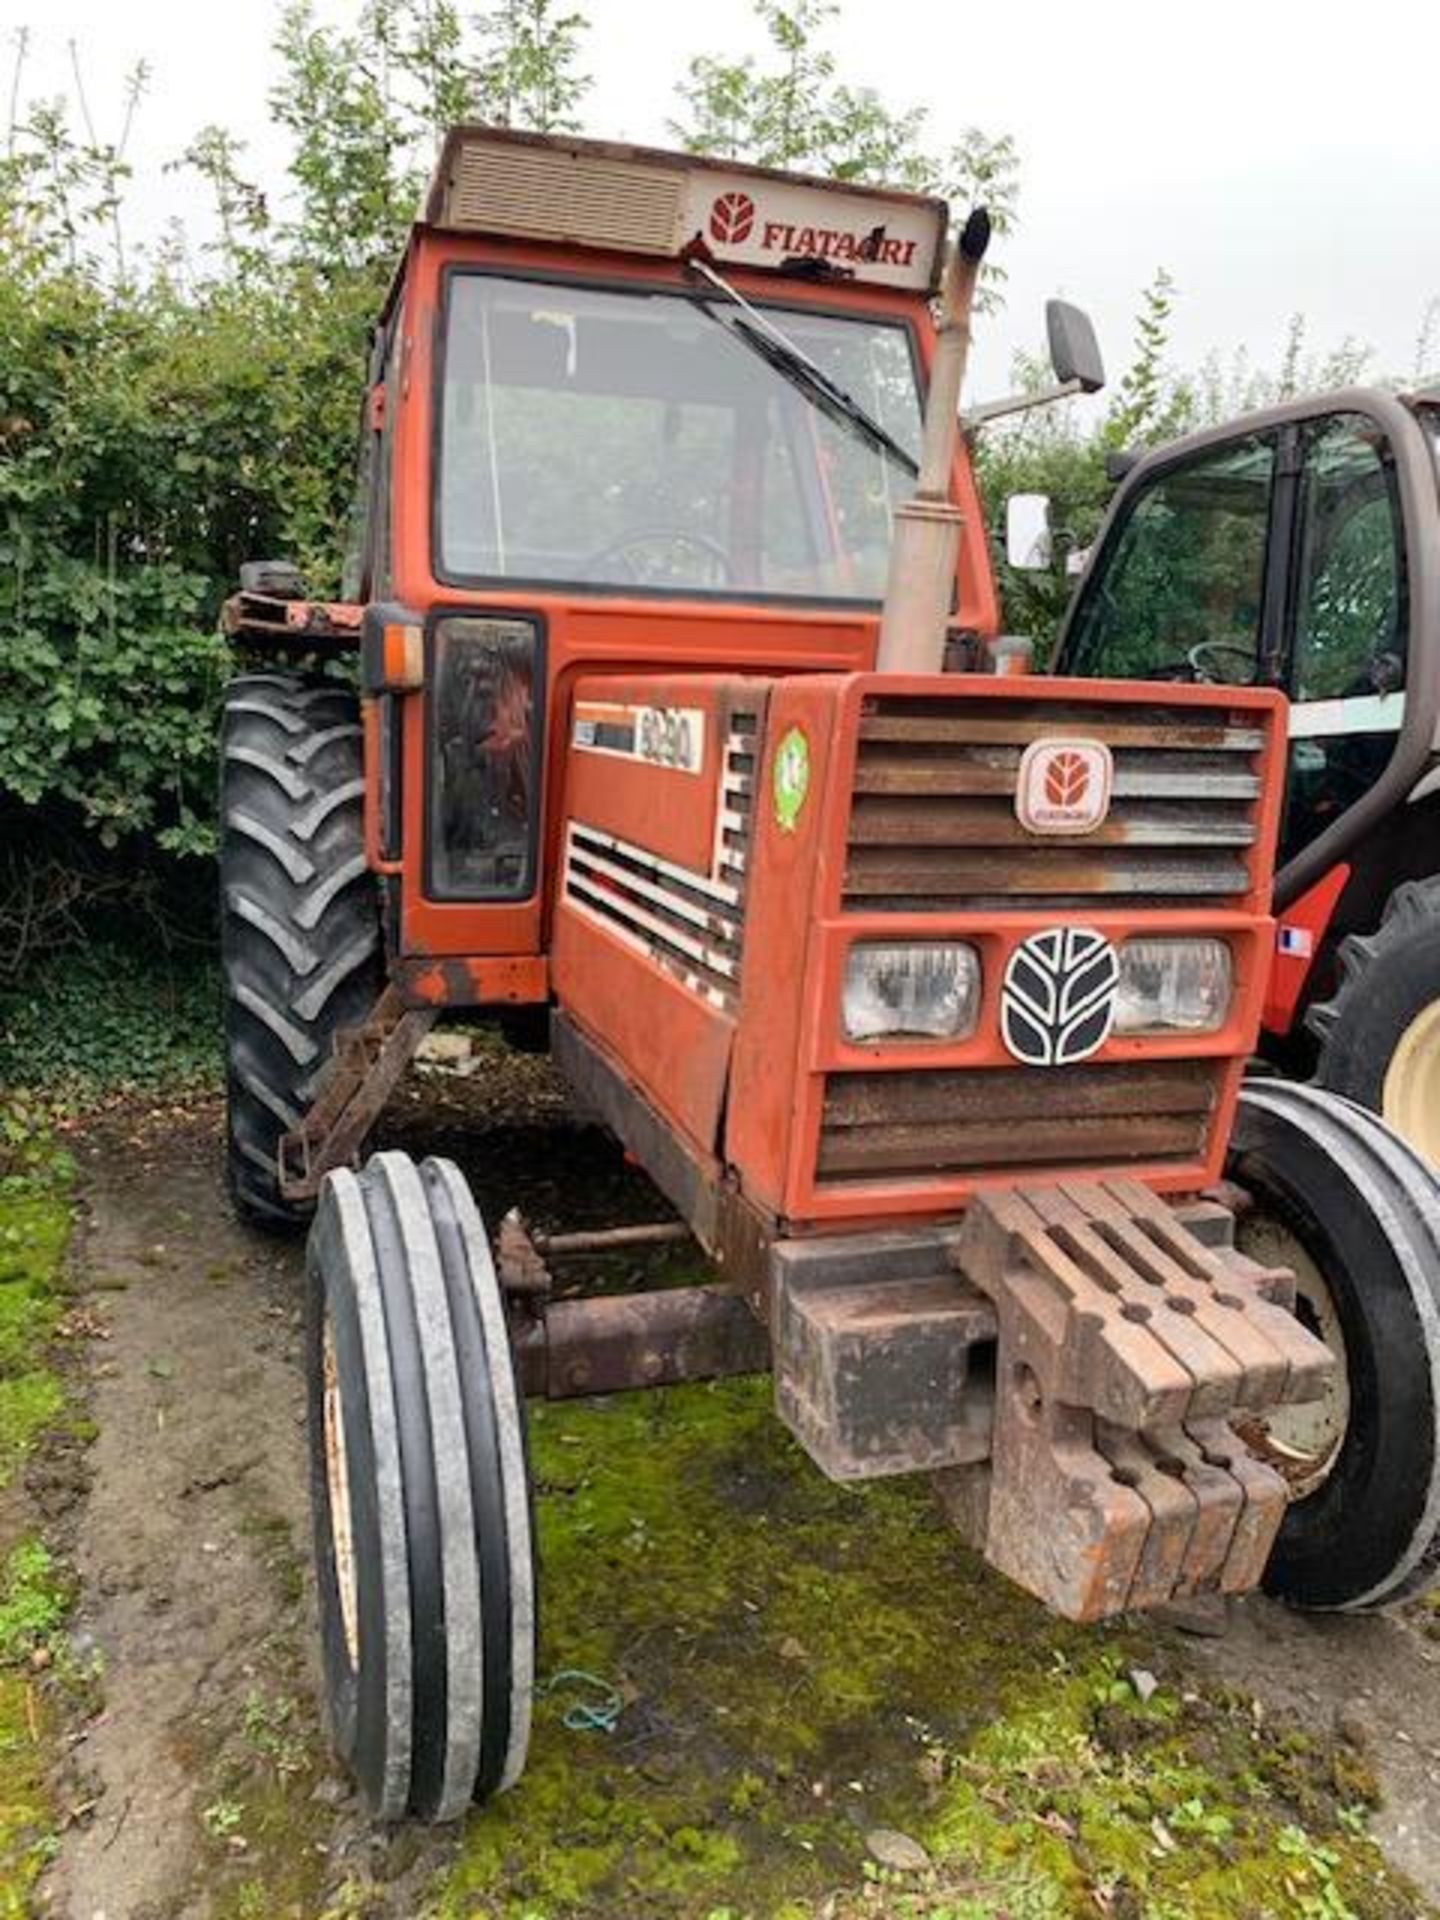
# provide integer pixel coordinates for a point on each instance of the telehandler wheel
(420, 1492)
(300, 927)
(1355, 1212)
(1380, 1034)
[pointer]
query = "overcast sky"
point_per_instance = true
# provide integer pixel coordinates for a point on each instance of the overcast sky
(1274, 156)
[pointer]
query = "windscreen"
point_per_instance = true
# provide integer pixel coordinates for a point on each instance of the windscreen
(637, 441)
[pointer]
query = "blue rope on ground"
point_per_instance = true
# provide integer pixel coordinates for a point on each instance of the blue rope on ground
(601, 1715)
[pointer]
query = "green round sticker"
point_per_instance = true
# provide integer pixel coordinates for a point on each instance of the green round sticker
(790, 778)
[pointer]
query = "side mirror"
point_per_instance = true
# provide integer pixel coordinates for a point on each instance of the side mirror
(1028, 544)
(1074, 350)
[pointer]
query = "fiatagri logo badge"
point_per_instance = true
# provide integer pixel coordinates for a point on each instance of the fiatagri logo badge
(1064, 786)
(733, 219)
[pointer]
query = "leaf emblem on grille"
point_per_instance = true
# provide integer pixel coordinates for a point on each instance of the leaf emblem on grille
(731, 218)
(1057, 999)
(1063, 786)
(1066, 779)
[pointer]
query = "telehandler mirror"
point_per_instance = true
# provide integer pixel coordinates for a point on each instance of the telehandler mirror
(1028, 543)
(1074, 350)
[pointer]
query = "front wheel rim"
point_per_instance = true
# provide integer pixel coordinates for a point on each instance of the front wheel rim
(337, 1476)
(1410, 1099)
(1302, 1440)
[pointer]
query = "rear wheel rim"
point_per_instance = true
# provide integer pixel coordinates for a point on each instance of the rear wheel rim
(337, 1478)
(1410, 1099)
(1302, 1441)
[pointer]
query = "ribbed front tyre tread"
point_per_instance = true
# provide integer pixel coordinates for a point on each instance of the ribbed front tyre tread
(300, 930)
(424, 1510)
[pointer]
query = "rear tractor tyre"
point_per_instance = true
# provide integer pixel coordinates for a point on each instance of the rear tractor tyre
(1355, 1212)
(420, 1492)
(1380, 1034)
(300, 925)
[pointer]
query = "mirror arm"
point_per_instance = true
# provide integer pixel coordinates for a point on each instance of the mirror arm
(1018, 403)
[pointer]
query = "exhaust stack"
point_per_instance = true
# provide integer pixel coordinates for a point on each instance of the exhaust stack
(926, 539)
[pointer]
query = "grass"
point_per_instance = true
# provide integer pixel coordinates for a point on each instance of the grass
(803, 1663)
(34, 1229)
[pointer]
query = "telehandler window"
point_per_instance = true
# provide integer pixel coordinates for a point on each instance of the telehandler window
(1351, 623)
(629, 439)
(1180, 593)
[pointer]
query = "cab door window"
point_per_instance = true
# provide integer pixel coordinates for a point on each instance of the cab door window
(1180, 591)
(1350, 614)
(1351, 620)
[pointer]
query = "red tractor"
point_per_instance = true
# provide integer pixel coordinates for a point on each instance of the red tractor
(923, 992)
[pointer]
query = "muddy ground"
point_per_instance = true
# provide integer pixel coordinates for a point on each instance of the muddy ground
(202, 1787)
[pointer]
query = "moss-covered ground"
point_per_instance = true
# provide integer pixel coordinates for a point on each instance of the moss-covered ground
(800, 1664)
(34, 1228)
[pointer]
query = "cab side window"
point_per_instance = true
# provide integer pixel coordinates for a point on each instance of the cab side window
(366, 570)
(1181, 592)
(1350, 608)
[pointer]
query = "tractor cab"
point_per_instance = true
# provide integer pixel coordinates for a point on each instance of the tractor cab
(627, 407)
(1300, 549)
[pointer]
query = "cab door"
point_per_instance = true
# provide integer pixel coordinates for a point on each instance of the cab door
(1347, 627)
(1287, 554)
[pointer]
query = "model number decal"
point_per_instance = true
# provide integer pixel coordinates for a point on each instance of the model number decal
(671, 737)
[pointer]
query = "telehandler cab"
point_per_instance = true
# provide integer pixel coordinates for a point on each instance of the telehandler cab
(924, 996)
(1300, 548)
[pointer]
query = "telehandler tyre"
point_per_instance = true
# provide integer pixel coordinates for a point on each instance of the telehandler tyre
(1355, 1212)
(420, 1492)
(300, 927)
(1380, 1034)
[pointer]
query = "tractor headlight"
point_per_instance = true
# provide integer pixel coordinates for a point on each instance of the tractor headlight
(1178, 986)
(927, 991)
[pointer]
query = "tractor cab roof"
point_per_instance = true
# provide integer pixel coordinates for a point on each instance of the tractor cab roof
(613, 198)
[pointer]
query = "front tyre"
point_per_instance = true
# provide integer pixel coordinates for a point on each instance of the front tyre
(1356, 1213)
(420, 1492)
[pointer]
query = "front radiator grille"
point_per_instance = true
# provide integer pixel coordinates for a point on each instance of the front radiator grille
(690, 924)
(933, 824)
(924, 1125)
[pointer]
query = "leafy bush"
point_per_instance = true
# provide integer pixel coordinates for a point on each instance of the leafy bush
(113, 1015)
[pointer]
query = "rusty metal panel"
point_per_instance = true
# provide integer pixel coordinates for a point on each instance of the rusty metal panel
(364, 1070)
(265, 619)
(876, 1125)
(1046, 1142)
(915, 1099)
(943, 875)
(620, 1341)
(934, 817)
(879, 820)
(1026, 721)
(875, 1361)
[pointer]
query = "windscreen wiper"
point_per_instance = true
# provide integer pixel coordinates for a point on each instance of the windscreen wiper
(762, 336)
